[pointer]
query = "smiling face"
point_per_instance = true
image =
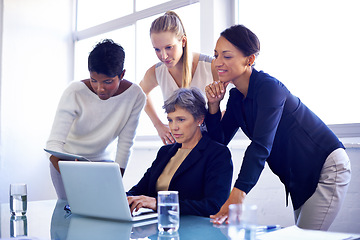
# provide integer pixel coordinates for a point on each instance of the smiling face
(104, 86)
(184, 127)
(168, 48)
(230, 62)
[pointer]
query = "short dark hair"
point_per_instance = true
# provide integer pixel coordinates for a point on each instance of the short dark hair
(242, 38)
(107, 58)
(189, 99)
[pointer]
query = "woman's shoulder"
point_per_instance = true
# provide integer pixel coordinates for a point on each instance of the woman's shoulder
(75, 87)
(217, 153)
(263, 77)
(135, 87)
(168, 149)
(78, 84)
(149, 81)
(205, 58)
(213, 145)
(267, 88)
(133, 91)
(150, 73)
(199, 58)
(260, 79)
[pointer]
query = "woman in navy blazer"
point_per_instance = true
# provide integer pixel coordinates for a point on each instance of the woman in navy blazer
(299, 148)
(203, 178)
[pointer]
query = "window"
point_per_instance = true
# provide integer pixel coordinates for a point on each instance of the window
(144, 4)
(83, 48)
(94, 12)
(313, 48)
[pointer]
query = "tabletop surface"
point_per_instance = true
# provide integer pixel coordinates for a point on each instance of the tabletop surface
(48, 220)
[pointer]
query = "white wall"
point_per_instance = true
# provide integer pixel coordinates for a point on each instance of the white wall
(36, 54)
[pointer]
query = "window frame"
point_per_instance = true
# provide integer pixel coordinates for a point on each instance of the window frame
(215, 16)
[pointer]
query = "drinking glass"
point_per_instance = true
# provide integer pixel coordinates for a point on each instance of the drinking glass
(168, 211)
(18, 199)
(168, 236)
(242, 221)
(18, 226)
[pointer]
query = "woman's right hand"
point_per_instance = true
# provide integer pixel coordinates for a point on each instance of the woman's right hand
(236, 197)
(215, 92)
(165, 133)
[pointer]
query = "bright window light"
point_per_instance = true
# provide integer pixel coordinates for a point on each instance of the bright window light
(313, 48)
(93, 12)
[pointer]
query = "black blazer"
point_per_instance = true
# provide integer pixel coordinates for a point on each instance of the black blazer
(203, 180)
(283, 131)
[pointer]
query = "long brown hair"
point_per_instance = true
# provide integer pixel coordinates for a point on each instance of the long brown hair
(171, 22)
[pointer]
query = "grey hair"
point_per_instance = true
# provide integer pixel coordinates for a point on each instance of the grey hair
(189, 99)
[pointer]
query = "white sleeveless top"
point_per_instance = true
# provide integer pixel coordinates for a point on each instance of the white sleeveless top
(202, 77)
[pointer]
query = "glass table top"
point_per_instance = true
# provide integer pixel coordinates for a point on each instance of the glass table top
(48, 220)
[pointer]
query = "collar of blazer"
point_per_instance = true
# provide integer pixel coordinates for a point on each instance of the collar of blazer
(191, 159)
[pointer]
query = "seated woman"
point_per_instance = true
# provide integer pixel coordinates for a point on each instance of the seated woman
(199, 168)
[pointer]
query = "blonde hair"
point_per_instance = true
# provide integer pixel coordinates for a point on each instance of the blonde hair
(171, 22)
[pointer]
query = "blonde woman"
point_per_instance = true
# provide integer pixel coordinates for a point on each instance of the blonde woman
(178, 67)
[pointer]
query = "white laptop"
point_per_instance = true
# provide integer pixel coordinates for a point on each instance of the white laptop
(95, 189)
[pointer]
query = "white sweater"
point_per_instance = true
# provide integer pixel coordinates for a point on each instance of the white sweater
(86, 125)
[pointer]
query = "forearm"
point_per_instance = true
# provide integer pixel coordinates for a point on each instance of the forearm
(236, 196)
(213, 107)
(150, 111)
(162, 129)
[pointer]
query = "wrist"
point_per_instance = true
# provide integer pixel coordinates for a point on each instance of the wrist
(237, 195)
(213, 107)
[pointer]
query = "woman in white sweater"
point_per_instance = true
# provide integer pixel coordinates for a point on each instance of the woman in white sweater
(94, 112)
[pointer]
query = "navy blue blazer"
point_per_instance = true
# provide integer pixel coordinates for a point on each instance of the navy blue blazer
(203, 180)
(283, 132)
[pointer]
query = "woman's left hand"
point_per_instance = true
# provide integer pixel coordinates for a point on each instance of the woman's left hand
(137, 202)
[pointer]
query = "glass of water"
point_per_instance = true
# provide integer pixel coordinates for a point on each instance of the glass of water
(168, 236)
(242, 221)
(18, 226)
(168, 211)
(18, 199)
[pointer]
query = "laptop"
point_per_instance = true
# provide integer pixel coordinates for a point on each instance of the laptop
(95, 189)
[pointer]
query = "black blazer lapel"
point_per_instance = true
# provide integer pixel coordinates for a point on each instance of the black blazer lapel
(194, 156)
(162, 162)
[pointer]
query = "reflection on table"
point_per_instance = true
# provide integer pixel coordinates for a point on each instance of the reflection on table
(72, 227)
(49, 220)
